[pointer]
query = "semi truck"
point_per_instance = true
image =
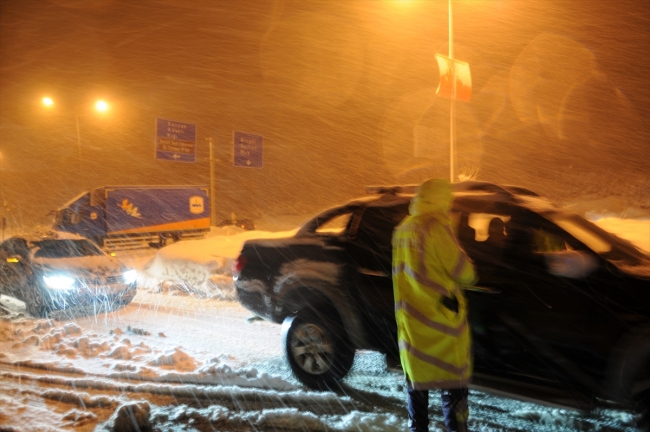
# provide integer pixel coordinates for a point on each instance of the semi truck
(130, 217)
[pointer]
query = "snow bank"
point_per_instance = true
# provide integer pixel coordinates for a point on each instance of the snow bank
(203, 267)
(57, 347)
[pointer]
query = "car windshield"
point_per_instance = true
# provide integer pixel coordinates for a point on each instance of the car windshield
(65, 249)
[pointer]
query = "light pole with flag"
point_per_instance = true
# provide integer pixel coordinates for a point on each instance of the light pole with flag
(455, 84)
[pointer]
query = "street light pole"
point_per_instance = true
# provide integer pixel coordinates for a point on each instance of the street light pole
(78, 140)
(101, 106)
(213, 216)
(3, 221)
(452, 109)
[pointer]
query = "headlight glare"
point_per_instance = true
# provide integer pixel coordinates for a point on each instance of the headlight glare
(130, 276)
(59, 282)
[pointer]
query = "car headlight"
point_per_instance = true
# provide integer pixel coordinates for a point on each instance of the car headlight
(130, 276)
(59, 282)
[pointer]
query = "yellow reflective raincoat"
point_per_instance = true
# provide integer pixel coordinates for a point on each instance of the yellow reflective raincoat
(428, 265)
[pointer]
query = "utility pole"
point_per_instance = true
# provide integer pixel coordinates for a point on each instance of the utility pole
(213, 210)
(2, 200)
(81, 175)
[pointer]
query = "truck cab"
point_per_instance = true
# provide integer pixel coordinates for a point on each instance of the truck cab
(79, 216)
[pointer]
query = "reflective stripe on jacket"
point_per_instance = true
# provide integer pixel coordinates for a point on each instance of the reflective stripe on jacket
(428, 265)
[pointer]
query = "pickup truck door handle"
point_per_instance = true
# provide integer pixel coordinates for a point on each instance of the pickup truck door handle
(369, 272)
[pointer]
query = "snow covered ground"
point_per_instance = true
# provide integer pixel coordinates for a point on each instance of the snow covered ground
(185, 356)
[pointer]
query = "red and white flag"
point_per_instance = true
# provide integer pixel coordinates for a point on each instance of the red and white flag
(459, 70)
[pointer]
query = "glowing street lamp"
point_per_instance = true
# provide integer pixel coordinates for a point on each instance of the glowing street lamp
(101, 106)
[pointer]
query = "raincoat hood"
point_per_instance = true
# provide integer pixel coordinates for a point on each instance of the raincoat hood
(433, 196)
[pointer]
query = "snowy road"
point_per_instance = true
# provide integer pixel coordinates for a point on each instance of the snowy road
(48, 391)
(200, 364)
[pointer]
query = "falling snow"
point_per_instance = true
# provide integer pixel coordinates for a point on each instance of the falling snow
(342, 95)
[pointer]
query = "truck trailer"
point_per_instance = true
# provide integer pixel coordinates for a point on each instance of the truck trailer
(129, 217)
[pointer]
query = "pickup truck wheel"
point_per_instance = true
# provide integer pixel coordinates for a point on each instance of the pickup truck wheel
(317, 348)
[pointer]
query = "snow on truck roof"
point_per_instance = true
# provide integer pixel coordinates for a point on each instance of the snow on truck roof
(492, 192)
(189, 186)
(457, 188)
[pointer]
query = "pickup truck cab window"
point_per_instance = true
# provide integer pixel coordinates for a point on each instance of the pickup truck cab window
(320, 223)
(481, 224)
(335, 225)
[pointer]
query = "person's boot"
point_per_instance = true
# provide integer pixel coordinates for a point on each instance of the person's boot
(418, 408)
(454, 409)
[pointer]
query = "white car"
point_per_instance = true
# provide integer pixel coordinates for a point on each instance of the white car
(51, 274)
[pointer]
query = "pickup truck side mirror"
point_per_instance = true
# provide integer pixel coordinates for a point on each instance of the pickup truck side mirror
(570, 263)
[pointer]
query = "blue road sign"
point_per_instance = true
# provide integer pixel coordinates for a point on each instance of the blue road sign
(248, 150)
(175, 141)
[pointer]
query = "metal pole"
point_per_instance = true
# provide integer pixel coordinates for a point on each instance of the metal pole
(452, 108)
(2, 199)
(76, 117)
(213, 216)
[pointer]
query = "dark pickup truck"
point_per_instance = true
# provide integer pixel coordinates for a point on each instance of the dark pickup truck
(562, 315)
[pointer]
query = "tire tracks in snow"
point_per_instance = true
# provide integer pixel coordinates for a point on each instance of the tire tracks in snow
(232, 397)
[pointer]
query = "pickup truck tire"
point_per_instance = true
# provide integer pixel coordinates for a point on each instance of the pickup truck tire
(317, 348)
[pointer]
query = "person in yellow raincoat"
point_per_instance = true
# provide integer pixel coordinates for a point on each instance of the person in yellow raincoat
(429, 268)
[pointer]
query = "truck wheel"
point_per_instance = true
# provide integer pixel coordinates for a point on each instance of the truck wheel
(317, 348)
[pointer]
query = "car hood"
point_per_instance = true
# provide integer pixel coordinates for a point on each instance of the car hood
(82, 266)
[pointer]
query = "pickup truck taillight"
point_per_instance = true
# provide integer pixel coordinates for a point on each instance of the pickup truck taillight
(238, 265)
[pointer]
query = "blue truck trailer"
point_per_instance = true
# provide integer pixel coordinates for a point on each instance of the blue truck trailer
(129, 217)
